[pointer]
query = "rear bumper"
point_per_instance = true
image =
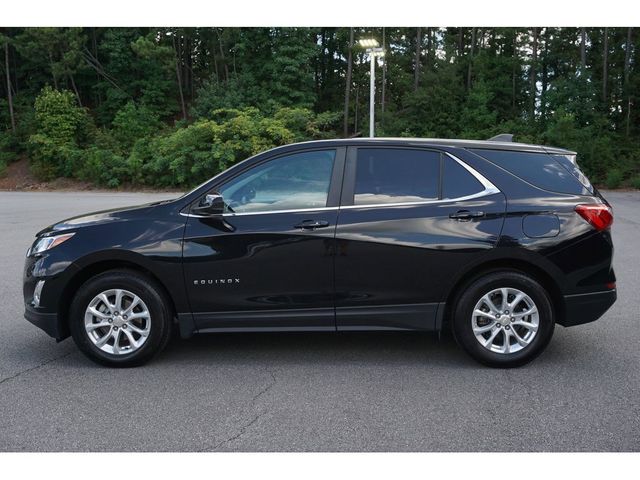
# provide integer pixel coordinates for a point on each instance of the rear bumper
(46, 321)
(586, 307)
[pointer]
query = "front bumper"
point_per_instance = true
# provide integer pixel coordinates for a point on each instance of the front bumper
(48, 322)
(586, 307)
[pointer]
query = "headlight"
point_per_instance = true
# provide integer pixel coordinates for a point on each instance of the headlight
(46, 243)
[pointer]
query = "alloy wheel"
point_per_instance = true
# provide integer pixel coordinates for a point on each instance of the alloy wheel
(505, 320)
(117, 321)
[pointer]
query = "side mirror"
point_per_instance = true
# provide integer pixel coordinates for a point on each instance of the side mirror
(211, 204)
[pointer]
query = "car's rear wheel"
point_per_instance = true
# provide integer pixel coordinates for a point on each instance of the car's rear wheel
(503, 319)
(120, 319)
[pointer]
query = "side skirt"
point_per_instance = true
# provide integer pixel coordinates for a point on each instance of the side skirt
(415, 316)
(423, 317)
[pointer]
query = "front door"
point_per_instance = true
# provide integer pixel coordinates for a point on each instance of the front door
(267, 262)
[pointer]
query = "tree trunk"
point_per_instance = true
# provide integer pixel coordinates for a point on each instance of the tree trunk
(347, 87)
(384, 68)
(545, 74)
(513, 72)
(460, 42)
(179, 77)
(532, 73)
(222, 59)
(583, 49)
(416, 79)
(355, 120)
(55, 80)
(428, 48)
(9, 96)
(627, 67)
(75, 89)
(469, 68)
(94, 47)
(605, 67)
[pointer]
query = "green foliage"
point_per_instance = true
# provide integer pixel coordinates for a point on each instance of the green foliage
(188, 155)
(103, 167)
(59, 117)
(614, 178)
(134, 122)
(61, 128)
(7, 148)
(106, 104)
(635, 182)
(479, 119)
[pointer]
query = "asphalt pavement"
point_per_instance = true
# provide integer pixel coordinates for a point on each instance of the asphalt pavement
(320, 391)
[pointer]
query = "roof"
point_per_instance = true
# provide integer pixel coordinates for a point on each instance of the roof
(444, 142)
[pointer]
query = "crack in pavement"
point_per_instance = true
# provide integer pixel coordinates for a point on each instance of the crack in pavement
(243, 429)
(40, 365)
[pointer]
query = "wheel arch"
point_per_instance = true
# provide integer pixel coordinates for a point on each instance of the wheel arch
(509, 264)
(97, 267)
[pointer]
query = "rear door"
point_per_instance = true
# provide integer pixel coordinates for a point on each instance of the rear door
(410, 218)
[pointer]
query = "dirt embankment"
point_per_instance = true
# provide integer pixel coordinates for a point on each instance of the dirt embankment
(18, 177)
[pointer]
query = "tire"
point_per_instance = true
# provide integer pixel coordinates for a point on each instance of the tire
(474, 321)
(141, 330)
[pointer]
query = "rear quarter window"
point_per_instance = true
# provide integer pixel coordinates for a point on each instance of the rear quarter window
(457, 182)
(539, 169)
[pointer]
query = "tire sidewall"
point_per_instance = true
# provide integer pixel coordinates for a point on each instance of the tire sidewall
(141, 287)
(462, 326)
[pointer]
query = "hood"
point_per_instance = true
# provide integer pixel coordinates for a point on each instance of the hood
(103, 216)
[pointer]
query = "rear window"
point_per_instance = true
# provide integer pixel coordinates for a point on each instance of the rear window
(569, 162)
(539, 169)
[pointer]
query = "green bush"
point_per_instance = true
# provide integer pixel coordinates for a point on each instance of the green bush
(635, 182)
(188, 156)
(614, 178)
(174, 159)
(103, 167)
(8, 148)
(61, 128)
(134, 122)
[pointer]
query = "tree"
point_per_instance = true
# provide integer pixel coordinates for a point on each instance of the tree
(8, 79)
(347, 87)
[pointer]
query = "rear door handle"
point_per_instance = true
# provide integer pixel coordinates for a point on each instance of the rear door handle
(466, 215)
(312, 224)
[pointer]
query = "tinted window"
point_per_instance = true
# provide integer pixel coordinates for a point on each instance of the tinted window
(457, 181)
(539, 169)
(391, 175)
(569, 162)
(294, 181)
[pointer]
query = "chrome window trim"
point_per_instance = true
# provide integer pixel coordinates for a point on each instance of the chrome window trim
(489, 189)
(263, 212)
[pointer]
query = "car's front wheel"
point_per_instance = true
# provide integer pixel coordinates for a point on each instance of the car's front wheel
(120, 319)
(503, 319)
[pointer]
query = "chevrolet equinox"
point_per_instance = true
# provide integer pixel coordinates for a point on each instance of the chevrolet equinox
(497, 241)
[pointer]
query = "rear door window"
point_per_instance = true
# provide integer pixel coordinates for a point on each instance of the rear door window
(539, 169)
(396, 175)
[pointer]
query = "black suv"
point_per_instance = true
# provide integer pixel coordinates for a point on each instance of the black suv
(498, 241)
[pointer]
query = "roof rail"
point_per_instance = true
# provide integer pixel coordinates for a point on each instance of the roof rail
(503, 137)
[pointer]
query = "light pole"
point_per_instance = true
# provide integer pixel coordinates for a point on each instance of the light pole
(373, 49)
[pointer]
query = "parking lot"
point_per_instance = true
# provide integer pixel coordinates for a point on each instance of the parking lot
(315, 392)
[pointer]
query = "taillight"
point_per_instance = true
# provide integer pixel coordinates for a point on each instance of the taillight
(600, 216)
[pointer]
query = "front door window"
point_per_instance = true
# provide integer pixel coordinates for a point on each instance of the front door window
(291, 182)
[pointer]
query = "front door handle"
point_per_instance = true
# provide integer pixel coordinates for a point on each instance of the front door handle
(466, 215)
(312, 224)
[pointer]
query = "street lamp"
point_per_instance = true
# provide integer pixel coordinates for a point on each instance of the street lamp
(373, 49)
